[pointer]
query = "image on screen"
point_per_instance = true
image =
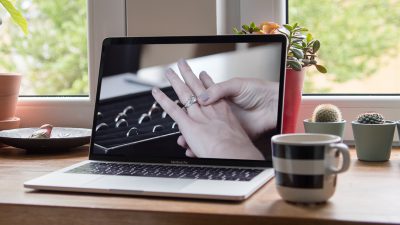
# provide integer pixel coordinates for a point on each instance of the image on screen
(130, 123)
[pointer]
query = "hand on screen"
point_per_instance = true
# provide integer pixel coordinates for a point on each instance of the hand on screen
(211, 131)
(253, 101)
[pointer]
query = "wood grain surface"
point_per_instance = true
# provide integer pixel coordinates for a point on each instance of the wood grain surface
(369, 193)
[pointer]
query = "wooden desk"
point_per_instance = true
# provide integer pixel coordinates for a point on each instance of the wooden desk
(368, 193)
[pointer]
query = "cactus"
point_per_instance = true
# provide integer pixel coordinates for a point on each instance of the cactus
(326, 113)
(371, 118)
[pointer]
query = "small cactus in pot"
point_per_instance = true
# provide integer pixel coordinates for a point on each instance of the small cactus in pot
(326, 113)
(326, 119)
(371, 118)
(373, 136)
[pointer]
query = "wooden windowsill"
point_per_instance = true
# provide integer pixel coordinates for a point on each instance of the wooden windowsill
(367, 193)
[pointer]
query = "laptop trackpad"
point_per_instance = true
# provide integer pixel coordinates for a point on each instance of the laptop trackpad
(139, 183)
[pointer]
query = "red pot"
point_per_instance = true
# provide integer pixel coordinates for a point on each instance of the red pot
(292, 99)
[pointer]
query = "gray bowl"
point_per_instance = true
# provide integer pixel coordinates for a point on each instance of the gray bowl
(62, 138)
(373, 141)
(334, 128)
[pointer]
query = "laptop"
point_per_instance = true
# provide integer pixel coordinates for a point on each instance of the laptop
(134, 150)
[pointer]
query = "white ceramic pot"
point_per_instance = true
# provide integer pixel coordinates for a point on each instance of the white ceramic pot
(373, 141)
(334, 128)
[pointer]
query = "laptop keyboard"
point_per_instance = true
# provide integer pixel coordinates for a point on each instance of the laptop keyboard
(167, 171)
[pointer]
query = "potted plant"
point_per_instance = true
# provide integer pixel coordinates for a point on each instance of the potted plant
(301, 52)
(398, 129)
(10, 82)
(373, 136)
(326, 119)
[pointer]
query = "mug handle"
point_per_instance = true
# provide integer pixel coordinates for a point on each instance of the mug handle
(344, 150)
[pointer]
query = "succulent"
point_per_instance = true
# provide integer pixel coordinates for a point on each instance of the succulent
(302, 47)
(326, 113)
(371, 118)
(252, 28)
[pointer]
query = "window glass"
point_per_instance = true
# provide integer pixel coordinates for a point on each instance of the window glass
(53, 57)
(359, 44)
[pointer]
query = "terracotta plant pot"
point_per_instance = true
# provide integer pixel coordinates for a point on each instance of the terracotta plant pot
(12, 123)
(292, 99)
(9, 91)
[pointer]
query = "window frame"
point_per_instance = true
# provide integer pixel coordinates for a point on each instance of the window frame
(103, 22)
(351, 105)
(78, 111)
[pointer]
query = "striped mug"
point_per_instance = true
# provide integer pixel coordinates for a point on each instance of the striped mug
(306, 166)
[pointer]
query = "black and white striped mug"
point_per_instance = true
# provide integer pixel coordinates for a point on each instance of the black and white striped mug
(306, 166)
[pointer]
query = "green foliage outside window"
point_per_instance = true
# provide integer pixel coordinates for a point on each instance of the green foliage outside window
(53, 55)
(358, 36)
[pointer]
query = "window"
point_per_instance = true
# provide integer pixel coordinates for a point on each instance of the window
(109, 18)
(359, 44)
(53, 56)
(104, 18)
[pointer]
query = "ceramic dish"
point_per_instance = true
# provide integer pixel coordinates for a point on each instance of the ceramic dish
(61, 138)
(12, 123)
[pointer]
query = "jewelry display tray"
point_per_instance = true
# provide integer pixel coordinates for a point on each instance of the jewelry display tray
(147, 122)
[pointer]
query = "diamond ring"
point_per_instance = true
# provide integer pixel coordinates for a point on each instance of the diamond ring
(192, 100)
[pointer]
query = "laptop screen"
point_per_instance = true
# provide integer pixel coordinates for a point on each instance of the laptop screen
(129, 125)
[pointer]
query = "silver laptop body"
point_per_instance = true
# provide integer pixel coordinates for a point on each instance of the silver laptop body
(151, 163)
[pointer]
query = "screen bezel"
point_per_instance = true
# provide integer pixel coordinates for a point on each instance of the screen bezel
(275, 38)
